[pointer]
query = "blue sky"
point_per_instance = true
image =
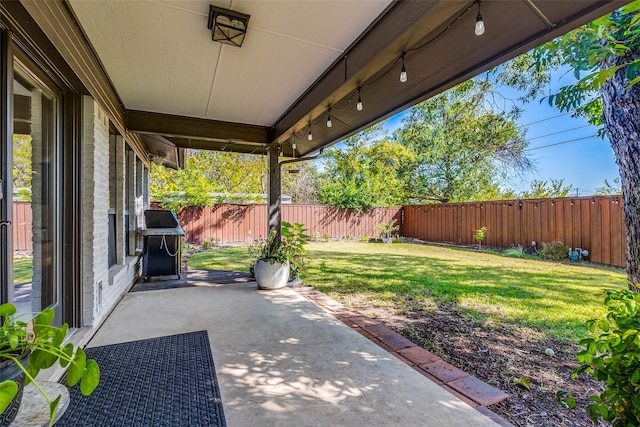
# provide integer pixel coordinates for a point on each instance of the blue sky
(583, 160)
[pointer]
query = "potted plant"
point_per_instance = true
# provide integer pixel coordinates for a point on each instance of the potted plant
(387, 230)
(26, 348)
(276, 259)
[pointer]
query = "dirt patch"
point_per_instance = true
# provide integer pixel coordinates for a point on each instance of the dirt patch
(498, 354)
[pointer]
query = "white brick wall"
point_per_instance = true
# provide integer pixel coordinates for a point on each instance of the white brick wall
(95, 219)
(106, 180)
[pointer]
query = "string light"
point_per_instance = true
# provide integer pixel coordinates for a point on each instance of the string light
(293, 144)
(403, 72)
(479, 21)
(479, 30)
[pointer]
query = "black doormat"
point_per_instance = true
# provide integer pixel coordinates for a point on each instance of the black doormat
(166, 381)
(191, 278)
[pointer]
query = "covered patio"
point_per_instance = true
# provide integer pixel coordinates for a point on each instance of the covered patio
(283, 361)
(130, 84)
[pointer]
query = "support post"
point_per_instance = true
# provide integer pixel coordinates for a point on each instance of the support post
(275, 189)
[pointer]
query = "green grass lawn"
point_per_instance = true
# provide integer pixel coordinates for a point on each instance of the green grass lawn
(22, 270)
(551, 297)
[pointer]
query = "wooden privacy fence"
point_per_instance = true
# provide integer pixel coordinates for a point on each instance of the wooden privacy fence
(229, 223)
(592, 223)
(21, 226)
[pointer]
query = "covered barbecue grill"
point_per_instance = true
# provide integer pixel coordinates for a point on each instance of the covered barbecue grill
(161, 256)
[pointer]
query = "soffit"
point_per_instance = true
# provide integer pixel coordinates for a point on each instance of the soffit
(302, 57)
(160, 57)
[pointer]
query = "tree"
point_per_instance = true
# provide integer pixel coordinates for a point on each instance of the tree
(609, 189)
(302, 185)
(547, 190)
(22, 167)
(608, 51)
(366, 173)
(207, 173)
(460, 146)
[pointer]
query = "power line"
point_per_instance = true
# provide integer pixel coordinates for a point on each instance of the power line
(560, 143)
(559, 132)
(548, 118)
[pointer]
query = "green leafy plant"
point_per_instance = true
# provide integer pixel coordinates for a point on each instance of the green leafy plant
(480, 234)
(555, 251)
(612, 355)
(564, 398)
(290, 248)
(315, 236)
(387, 229)
(45, 345)
(326, 237)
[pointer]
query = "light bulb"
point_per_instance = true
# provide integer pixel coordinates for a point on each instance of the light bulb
(310, 136)
(403, 72)
(329, 122)
(359, 105)
(479, 25)
(293, 145)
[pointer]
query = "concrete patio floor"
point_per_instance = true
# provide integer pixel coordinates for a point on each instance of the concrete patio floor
(282, 361)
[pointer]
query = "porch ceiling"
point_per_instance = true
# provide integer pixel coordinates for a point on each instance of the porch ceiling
(299, 58)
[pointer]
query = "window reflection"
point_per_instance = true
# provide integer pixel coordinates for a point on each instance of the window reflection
(34, 193)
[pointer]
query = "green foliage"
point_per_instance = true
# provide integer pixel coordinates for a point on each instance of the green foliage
(206, 173)
(315, 236)
(45, 344)
(564, 398)
(387, 229)
(608, 188)
(290, 248)
(554, 251)
(547, 190)
(518, 252)
(22, 168)
(594, 52)
(459, 147)
(612, 355)
(366, 173)
(480, 234)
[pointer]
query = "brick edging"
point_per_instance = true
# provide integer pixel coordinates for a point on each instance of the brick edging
(473, 391)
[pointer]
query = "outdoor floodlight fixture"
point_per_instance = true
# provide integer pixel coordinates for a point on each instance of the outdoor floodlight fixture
(227, 26)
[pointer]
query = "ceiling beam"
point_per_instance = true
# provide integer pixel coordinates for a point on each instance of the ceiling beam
(453, 57)
(193, 128)
(235, 147)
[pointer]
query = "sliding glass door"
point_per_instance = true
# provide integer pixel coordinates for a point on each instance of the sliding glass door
(34, 189)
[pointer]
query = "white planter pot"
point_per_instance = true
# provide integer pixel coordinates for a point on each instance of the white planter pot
(271, 276)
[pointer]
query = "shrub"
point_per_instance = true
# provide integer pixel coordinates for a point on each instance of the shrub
(315, 236)
(326, 237)
(480, 235)
(518, 252)
(387, 229)
(612, 355)
(555, 251)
